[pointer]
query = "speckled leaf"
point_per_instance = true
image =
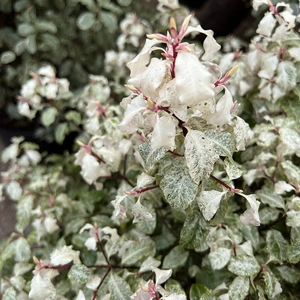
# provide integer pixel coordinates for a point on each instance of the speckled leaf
(223, 143)
(243, 265)
(194, 231)
(24, 212)
(138, 251)
(200, 155)
(79, 274)
(118, 287)
(176, 258)
(232, 169)
(23, 252)
(294, 251)
(272, 285)
(209, 202)
(277, 246)
(219, 258)
(239, 288)
(149, 156)
(177, 185)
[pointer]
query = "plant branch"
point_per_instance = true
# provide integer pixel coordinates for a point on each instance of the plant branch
(232, 190)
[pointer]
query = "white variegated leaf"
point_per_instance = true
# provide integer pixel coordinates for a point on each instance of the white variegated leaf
(151, 79)
(222, 114)
(239, 288)
(219, 258)
(251, 216)
(177, 185)
(210, 45)
(200, 155)
(138, 64)
(209, 202)
(163, 135)
(192, 79)
(137, 105)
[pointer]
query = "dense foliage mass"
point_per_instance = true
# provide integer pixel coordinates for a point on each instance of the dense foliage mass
(188, 188)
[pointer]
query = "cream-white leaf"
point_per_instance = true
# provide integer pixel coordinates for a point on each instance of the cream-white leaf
(137, 105)
(163, 134)
(222, 114)
(251, 216)
(209, 202)
(193, 80)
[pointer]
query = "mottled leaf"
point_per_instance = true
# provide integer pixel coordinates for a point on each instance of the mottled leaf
(209, 202)
(243, 265)
(200, 155)
(239, 288)
(277, 246)
(176, 258)
(177, 185)
(194, 231)
(118, 287)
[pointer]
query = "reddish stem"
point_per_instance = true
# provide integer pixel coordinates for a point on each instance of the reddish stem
(136, 192)
(232, 190)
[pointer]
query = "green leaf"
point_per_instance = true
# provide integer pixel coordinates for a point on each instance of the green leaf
(200, 155)
(288, 274)
(31, 43)
(118, 287)
(268, 214)
(177, 185)
(48, 116)
(176, 258)
(138, 251)
(60, 132)
(25, 29)
(267, 196)
(293, 252)
(124, 2)
(86, 20)
(209, 202)
(194, 231)
(73, 116)
(272, 285)
(150, 157)
(243, 265)
(201, 292)
(23, 252)
(46, 26)
(219, 258)
(7, 57)
(109, 20)
(79, 274)
(10, 294)
(239, 288)
(24, 209)
(277, 246)
(291, 106)
(223, 143)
